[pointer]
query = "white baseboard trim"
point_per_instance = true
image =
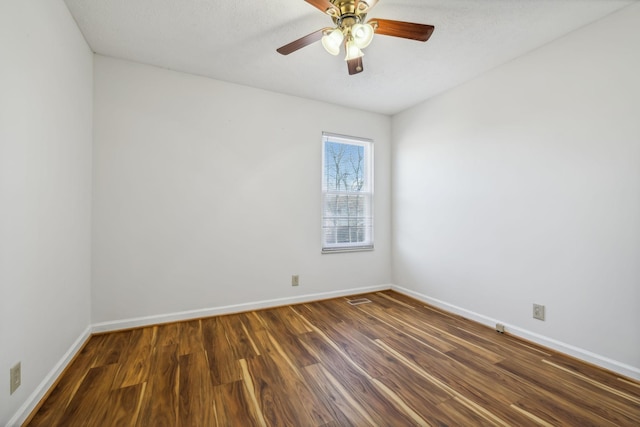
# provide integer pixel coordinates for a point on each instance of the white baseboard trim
(228, 309)
(579, 353)
(32, 401)
(29, 405)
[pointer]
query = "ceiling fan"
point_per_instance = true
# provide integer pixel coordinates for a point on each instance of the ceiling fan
(353, 32)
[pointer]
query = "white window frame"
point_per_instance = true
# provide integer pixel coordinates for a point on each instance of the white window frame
(365, 223)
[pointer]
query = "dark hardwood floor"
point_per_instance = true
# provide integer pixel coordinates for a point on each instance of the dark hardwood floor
(391, 362)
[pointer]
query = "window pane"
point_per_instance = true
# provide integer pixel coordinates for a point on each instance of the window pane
(347, 218)
(344, 167)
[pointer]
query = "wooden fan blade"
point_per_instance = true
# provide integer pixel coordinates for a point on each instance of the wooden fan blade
(406, 30)
(355, 65)
(325, 6)
(301, 42)
(368, 4)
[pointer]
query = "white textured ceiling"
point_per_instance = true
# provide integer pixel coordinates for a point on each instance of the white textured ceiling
(236, 41)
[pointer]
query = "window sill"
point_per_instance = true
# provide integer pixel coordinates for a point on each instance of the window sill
(343, 250)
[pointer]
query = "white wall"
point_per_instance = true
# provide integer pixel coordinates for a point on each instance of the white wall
(523, 186)
(207, 194)
(45, 191)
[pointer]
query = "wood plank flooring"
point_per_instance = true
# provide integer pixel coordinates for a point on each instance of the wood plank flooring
(391, 362)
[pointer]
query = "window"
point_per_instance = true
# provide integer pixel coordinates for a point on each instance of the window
(347, 193)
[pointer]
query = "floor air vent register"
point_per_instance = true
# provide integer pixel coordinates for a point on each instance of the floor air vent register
(358, 301)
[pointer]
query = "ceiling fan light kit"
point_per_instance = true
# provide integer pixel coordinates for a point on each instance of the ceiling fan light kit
(332, 41)
(352, 50)
(353, 32)
(362, 34)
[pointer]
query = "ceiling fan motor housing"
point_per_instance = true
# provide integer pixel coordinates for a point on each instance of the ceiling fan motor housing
(347, 9)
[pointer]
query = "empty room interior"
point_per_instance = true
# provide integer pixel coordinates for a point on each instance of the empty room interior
(207, 217)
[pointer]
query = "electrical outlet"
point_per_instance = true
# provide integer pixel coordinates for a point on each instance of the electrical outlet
(295, 280)
(500, 328)
(15, 378)
(538, 311)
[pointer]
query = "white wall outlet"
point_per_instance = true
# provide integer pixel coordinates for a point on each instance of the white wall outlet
(538, 311)
(15, 378)
(500, 328)
(295, 280)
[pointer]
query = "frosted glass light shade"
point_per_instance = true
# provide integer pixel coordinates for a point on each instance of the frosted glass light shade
(362, 35)
(353, 51)
(332, 41)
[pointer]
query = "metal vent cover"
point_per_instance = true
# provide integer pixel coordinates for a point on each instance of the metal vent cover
(359, 301)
